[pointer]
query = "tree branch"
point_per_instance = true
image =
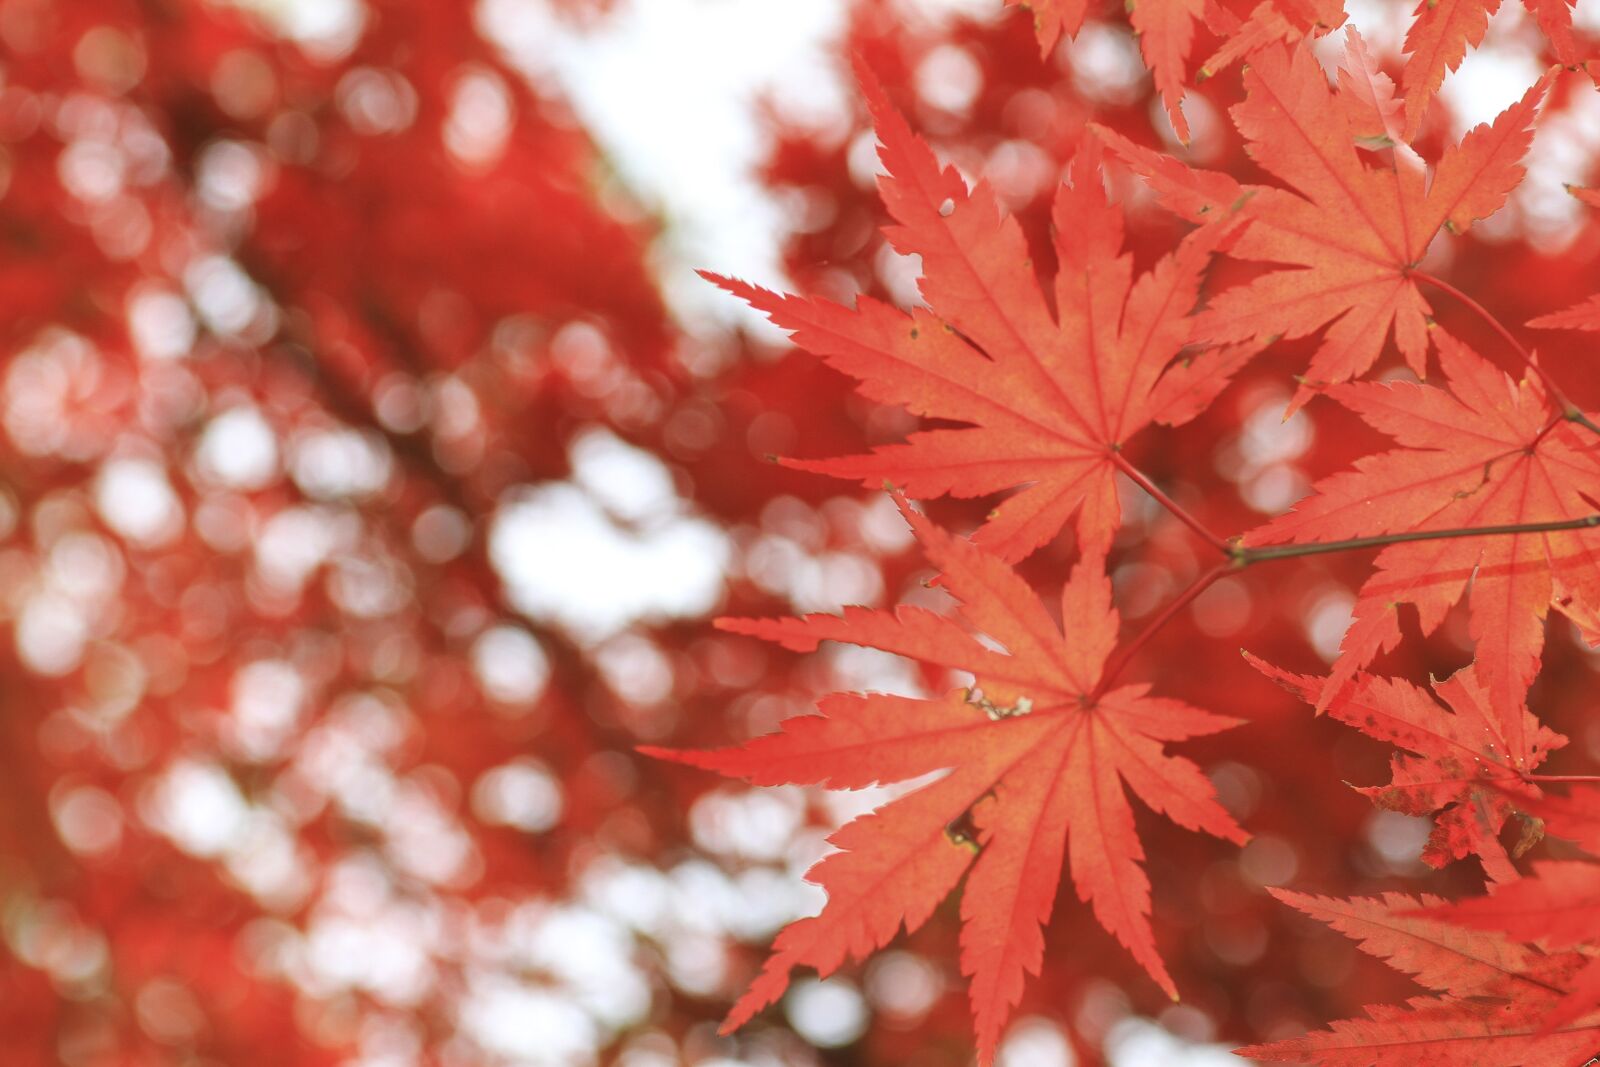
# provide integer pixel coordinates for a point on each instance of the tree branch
(1245, 556)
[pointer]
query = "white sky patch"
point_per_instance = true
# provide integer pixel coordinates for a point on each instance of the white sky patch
(426, 839)
(1382, 25)
(1142, 1043)
(481, 118)
(829, 1013)
(199, 807)
(293, 543)
(137, 501)
(591, 955)
(1398, 840)
(534, 1026)
(324, 29)
(87, 819)
(870, 670)
(226, 297)
(267, 698)
(669, 89)
(383, 953)
(1566, 145)
(239, 450)
(510, 664)
(628, 482)
(50, 634)
(1325, 624)
(949, 78)
(753, 824)
(596, 560)
(160, 322)
(80, 578)
(522, 794)
(566, 561)
(1036, 1042)
(332, 463)
(1489, 79)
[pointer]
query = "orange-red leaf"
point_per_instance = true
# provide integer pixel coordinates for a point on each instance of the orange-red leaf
(1046, 396)
(1166, 34)
(1043, 770)
(1462, 766)
(1166, 31)
(1584, 316)
(1443, 30)
(1497, 993)
(1442, 1032)
(1437, 41)
(1489, 451)
(1411, 937)
(1053, 19)
(1350, 230)
(1559, 904)
(1377, 116)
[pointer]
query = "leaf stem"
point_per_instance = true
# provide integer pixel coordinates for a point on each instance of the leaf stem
(1569, 411)
(1243, 557)
(1128, 651)
(1178, 511)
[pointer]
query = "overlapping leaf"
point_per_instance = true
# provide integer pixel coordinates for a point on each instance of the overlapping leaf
(1582, 316)
(1443, 30)
(1167, 28)
(1245, 28)
(1574, 816)
(1352, 230)
(1559, 904)
(1495, 994)
(1048, 397)
(1040, 765)
(1463, 766)
(1488, 451)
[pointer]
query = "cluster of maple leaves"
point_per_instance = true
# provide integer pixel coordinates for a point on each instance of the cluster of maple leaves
(1492, 487)
(208, 223)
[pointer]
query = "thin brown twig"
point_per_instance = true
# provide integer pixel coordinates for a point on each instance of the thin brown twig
(1247, 556)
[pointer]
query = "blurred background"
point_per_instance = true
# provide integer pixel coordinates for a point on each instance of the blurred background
(372, 462)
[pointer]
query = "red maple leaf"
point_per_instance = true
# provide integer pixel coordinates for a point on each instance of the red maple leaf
(1488, 451)
(1039, 761)
(1495, 992)
(1583, 316)
(1049, 397)
(1352, 232)
(1464, 767)
(1557, 906)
